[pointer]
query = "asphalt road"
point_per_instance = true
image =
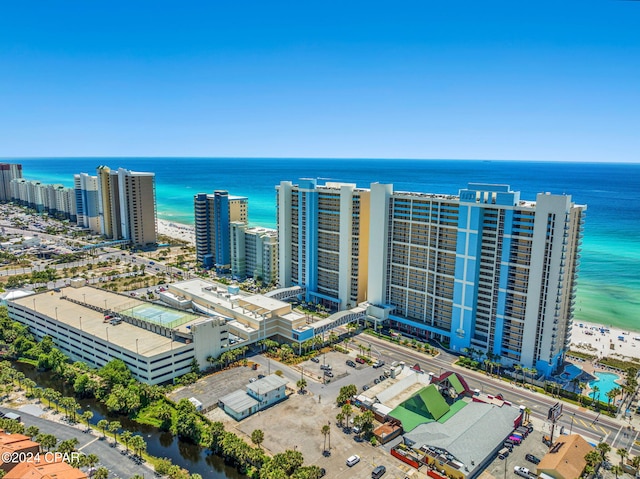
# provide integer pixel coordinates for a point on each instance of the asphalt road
(119, 465)
(585, 422)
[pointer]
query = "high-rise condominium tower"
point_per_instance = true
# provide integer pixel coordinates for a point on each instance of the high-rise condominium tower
(323, 236)
(86, 195)
(213, 216)
(482, 270)
(127, 205)
(8, 172)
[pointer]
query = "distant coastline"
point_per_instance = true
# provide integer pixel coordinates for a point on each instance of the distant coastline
(608, 285)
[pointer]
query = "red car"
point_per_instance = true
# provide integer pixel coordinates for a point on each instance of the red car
(360, 360)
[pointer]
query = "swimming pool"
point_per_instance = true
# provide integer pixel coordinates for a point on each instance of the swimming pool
(605, 382)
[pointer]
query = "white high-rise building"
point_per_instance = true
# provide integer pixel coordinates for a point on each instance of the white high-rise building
(254, 252)
(323, 236)
(482, 270)
(86, 192)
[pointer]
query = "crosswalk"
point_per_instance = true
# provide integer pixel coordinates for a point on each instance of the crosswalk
(595, 427)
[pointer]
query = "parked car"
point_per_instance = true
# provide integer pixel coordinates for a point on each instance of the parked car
(315, 359)
(360, 360)
(326, 367)
(521, 471)
(329, 374)
(532, 458)
(353, 460)
(351, 363)
(378, 364)
(365, 387)
(378, 472)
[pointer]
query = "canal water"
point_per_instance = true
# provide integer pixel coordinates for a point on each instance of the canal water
(191, 457)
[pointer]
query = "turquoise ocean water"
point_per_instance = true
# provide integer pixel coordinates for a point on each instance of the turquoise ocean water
(609, 282)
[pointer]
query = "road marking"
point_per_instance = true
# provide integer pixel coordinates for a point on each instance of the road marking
(603, 429)
(585, 424)
(90, 442)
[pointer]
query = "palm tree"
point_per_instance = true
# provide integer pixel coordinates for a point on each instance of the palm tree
(635, 462)
(347, 410)
(126, 438)
(581, 386)
(302, 383)
(113, 427)
(325, 431)
(622, 452)
(617, 470)
(340, 418)
(517, 369)
(138, 444)
(603, 448)
(257, 437)
(103, 424)
(87, 416)
(595, 391)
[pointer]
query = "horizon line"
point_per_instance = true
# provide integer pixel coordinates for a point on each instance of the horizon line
(630, 162)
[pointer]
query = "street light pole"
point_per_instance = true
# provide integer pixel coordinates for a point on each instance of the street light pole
(571, 427)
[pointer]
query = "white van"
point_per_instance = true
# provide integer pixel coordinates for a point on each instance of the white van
(353, 460)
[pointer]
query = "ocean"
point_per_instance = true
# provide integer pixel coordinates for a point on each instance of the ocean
(609, 281)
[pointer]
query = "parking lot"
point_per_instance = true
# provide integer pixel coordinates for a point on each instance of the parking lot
(210, 389)
(501, 468)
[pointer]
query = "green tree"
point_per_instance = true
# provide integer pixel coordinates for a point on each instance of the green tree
(623, 453)
(301, 384)
(68, 446)
(32, 431)
(164, 413)
(86, 417)
(288, 461)
(187, 424)
(114, 427)
(604, 449)
(326, 430)
(346, 393)
(126, 438)
(162, 465)
(138, 444)
(101, 473)
(347, 410)
(257, 437)
(47, 441)
(617, 470)
(103, 424)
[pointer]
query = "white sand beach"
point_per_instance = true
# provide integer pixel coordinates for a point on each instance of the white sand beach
(177, 230)
(602, 340)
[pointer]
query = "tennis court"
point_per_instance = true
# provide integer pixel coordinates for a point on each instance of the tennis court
(159, 315)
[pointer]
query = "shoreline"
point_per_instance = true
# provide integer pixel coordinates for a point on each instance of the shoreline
(179, 231)
(603, 341)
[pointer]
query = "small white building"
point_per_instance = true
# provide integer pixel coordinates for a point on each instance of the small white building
(259, 395)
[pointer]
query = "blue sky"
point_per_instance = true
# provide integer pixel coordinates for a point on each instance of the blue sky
(499, 80)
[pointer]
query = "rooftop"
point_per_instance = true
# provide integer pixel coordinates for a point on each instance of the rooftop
(459, 435)
(238, 401)
(566, 457)
(45, 470)
(267, 384)
(90, 321)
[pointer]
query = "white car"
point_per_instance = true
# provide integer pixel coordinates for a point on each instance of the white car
(521, 471)
(353, 460)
